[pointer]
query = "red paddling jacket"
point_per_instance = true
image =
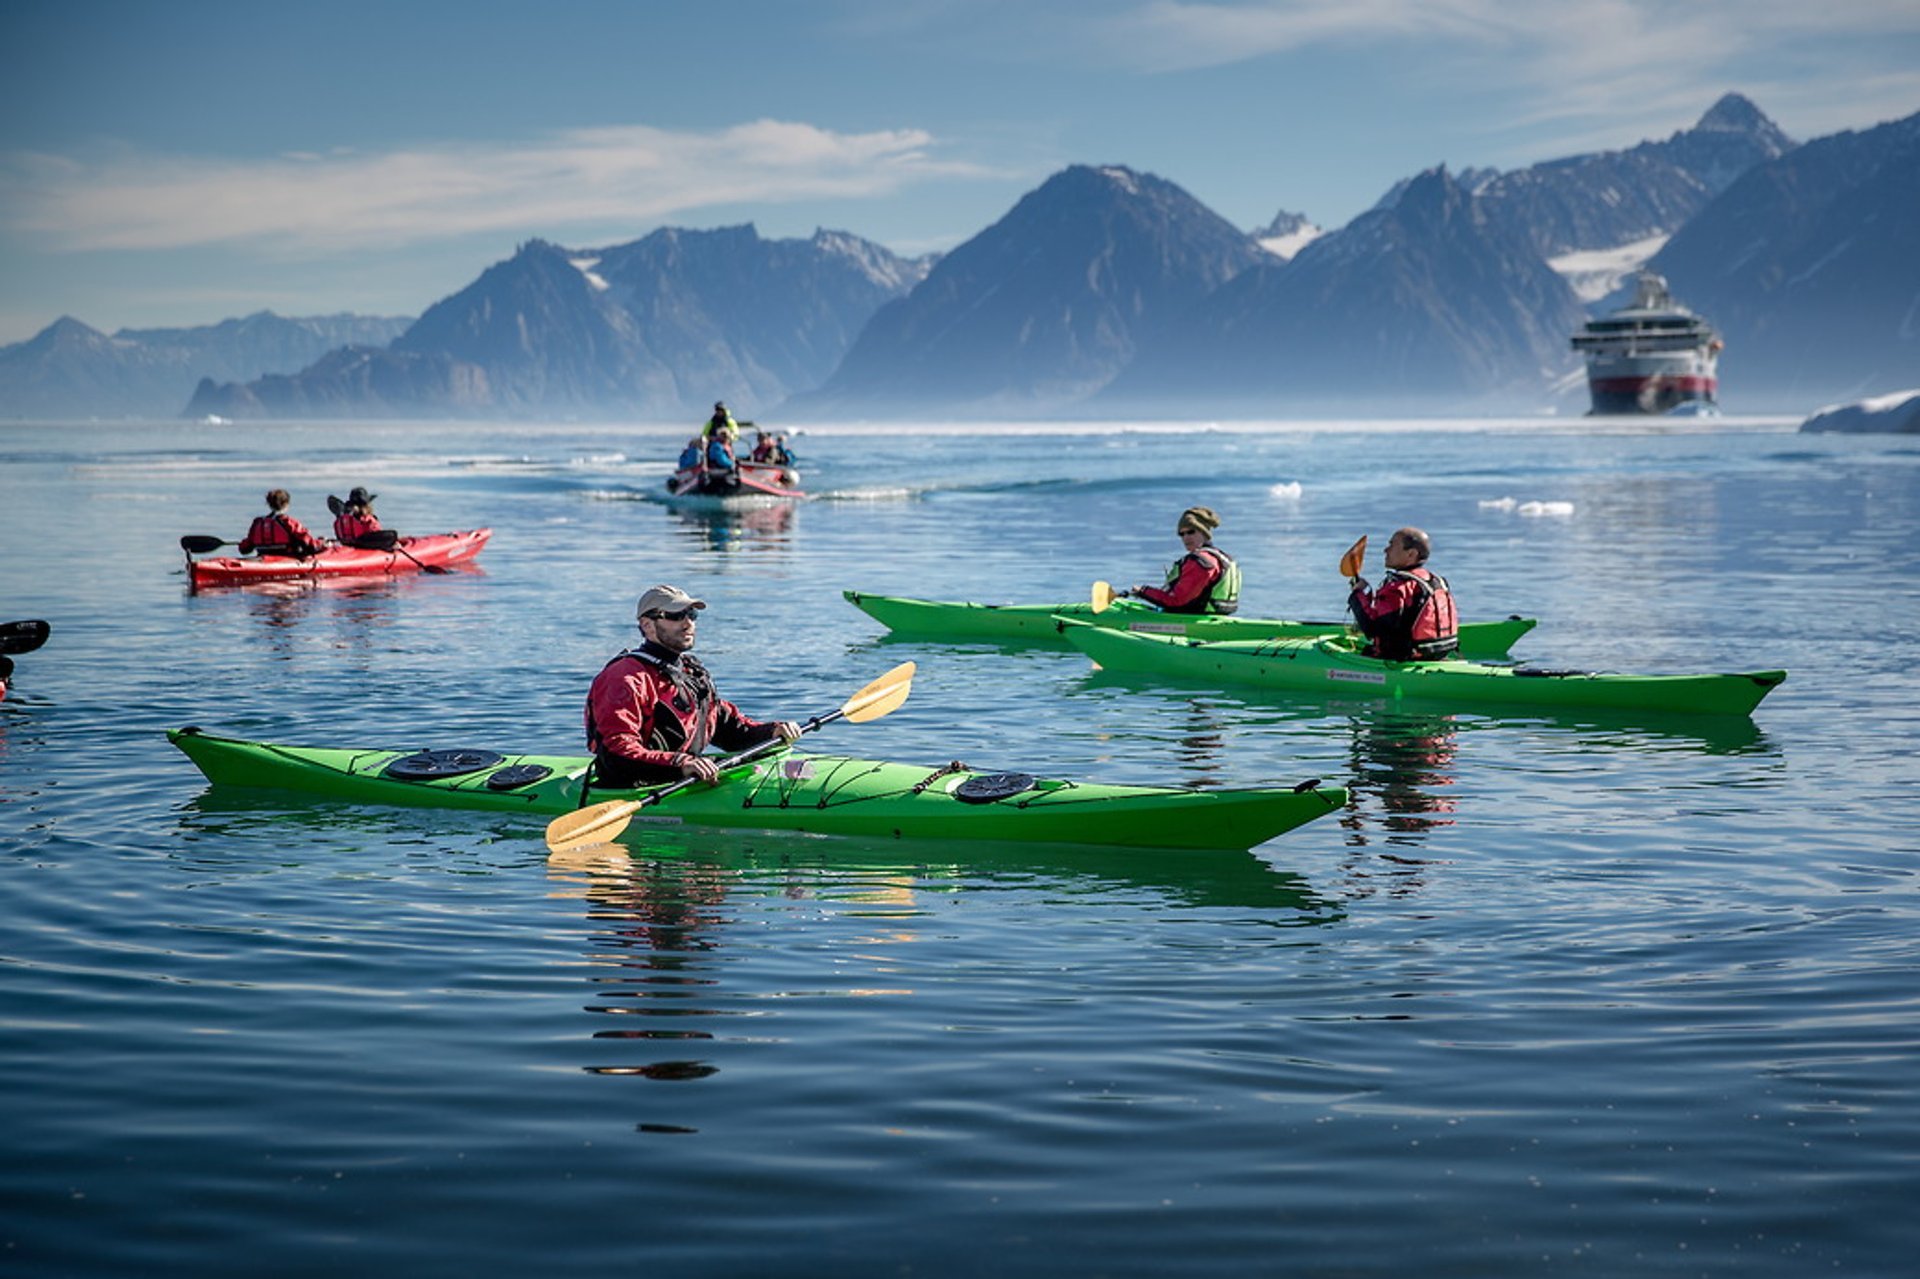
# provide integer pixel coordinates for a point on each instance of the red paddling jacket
(649, 710)
(1410, 617)
(279, 533)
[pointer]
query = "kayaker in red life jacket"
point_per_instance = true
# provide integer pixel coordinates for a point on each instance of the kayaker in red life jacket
(1205, 579)
(356, 518)
(1411, 617)
(277, 533)
(652, 711)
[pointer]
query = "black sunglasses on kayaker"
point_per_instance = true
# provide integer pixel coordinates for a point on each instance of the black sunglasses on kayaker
(679, 616)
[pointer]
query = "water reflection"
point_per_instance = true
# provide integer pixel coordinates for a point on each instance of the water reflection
(756, 528)
(1405, 763)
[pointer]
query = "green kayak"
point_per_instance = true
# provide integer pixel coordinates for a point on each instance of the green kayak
(1333, 666)
(818, 794)
(958, 622)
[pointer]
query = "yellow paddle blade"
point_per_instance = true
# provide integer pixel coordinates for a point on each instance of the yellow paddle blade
(1102, 596)
(593, 825)
(1355, 559)
(882, 697)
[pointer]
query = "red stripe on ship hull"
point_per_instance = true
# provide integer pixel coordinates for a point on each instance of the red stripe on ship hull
(1634, 385)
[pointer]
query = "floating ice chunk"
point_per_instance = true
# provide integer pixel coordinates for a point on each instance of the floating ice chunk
(1545, 508)
(1286, 489)
(1496, 504)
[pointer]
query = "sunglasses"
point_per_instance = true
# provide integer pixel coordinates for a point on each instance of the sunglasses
(680, 616)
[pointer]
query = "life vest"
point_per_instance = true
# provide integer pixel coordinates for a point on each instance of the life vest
(681, 722)
(275, 534)
(352, 524)
(1424, 629)
(1223, 596)
(690, 456)
(1436, 626)
(720, 453)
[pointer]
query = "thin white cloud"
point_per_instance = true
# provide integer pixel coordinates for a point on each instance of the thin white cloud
(1542, 41)
(627, 175)
(1602, 72)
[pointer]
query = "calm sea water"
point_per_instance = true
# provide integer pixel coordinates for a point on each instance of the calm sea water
(1553, 996)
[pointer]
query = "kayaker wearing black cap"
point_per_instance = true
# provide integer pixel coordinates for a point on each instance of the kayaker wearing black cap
(1411, 617)
(277, 533)
(354, 518)
(652, 711)
(1205, 579)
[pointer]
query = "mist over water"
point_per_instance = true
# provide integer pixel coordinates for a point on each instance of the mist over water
(1554, 994)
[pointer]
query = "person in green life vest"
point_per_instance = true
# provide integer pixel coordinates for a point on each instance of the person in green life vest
(720, 423)
(1203, 580)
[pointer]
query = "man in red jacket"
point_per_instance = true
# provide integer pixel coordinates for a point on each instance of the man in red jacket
(652, 711)
(1411, 617)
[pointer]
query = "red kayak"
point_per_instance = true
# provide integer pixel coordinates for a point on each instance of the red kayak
(410, 555)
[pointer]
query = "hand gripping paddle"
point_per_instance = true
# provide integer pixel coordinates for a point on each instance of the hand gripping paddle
(600, 823)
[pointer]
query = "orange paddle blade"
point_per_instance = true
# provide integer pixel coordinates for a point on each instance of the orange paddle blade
(595, 825)
(1355, 559)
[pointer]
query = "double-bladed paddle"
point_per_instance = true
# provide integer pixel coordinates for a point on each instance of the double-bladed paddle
(23, 637)
(383, 539)
(600, 823)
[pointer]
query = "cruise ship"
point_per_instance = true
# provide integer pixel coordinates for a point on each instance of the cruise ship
(1651, 356)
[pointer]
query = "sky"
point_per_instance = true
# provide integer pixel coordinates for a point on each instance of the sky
(177, 162)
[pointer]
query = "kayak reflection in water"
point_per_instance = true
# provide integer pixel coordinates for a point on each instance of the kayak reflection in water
(653, 711)
(1203, 580)
(1411, 617)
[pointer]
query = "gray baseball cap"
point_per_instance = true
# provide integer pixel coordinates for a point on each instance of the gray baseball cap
(665, 599)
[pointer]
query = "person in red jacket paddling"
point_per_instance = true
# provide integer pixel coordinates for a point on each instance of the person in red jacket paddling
(1411, 617)
(277, 533)
(653, 711)
(354, 518)
(1205, 579)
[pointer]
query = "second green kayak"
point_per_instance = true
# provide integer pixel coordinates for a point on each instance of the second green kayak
(1333, 666)
(957, 622)
(818, 794)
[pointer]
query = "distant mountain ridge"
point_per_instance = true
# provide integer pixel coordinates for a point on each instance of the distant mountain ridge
(1809, 266)
(1475, 313)
(1046, 305)
(1109, 291)
(70, 369)
(660, 327)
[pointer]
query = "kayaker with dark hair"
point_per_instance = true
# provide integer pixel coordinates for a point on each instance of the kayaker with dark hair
(1205, 579)
(354, 519)
(277, 533)
(1411, 617)
(652, 711)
